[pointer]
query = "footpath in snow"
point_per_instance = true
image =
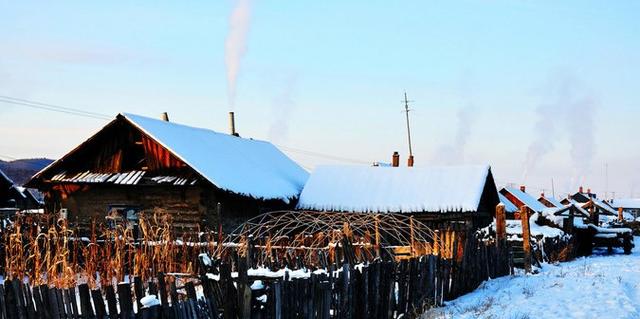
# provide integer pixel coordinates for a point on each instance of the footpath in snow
(599, 286)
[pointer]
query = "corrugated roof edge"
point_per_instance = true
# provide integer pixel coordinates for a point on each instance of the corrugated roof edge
(123, 115)
(61, 159)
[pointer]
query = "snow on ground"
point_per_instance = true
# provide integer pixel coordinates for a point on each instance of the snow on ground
(600, 286)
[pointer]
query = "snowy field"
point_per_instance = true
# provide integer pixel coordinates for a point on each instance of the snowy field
(600, 286)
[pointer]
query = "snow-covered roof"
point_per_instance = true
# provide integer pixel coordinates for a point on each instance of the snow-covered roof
(630, 203)
(244, 166)
(552, 200)
(509, 207)
(395, 189)
(526, 199)
(604, 206)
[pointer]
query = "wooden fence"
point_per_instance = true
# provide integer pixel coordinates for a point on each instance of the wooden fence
(379, 289)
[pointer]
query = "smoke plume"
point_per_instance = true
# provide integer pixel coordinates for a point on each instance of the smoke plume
(569, 107)
(235, 45)
(454, 153)
(282, 107)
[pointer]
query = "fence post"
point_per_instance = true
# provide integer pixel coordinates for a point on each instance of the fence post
(593, 213)
(526, 238)
(620, 215)
(501, 230)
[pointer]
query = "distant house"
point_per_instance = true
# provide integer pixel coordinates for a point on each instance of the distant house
(139, 164)
(549, 201)
(15, 197)
(628, 205)
(581, 196)
(589, 200)
(438, 196)
(509, 207)
(520, 198)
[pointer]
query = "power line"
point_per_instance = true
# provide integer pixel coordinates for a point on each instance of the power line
(321, 155)
(52, 107)
(78, 112)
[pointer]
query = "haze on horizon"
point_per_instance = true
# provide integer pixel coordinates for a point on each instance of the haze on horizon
(538, 90)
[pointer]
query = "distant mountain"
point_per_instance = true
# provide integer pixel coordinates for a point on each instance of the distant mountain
(22, 169)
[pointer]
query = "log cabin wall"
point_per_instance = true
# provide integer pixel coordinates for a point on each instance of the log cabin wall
(88, 202)
(189, 206)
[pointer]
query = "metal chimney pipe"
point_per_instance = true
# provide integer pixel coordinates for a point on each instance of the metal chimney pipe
(164, 116)
(395, 161)
(232, 124)
(410, 161)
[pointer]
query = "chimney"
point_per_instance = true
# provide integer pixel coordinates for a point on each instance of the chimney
(523, 188)
(589, 191)
(580, 190)
(164, 116)
(232, 124)
(542, 194)
(410, 161)
(395, 161)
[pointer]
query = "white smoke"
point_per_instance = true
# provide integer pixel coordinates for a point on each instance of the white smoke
(453, 153)
(581, 136)
(282, 107)
(568, 107)
(235, 45)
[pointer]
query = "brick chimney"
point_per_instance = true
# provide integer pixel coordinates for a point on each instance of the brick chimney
(580, 190)
(395, 160)
(523, 188)
(542, 194)
(410, 161)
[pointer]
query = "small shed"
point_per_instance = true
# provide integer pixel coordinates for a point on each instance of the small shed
(15, 197)
(136, 163)
(549, 201)
(519, 197)
(629, 205)
(438, 196)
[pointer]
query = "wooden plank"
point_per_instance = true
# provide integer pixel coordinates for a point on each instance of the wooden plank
(31, 309)
(164, 299)
(19, 299)
(85, 301)
(125, 300)
(526, 238)
(98, 303)
(111, 302)
(53, 302)
(138, 289)
(71, 294)
(3, 304)
(44, 296)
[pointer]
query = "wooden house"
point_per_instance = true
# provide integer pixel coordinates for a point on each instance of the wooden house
(14, 197)
(549, 201)
(519, 197)
(630, 206)
(138, 164)
(441, 197)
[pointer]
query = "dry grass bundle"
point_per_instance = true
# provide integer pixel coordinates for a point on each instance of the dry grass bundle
(50, 252)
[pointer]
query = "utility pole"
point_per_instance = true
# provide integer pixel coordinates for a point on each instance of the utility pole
(606, 180)
(406, 110)
(553, 189)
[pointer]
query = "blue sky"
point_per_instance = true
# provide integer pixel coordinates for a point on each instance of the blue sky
(539, 90)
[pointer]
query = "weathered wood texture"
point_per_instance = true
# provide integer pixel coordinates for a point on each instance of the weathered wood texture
(384, 288)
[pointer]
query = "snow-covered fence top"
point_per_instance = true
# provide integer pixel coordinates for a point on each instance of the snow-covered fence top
(396, 189)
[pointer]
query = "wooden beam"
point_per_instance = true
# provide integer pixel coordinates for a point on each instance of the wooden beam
(501, 227)
(526, 238)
